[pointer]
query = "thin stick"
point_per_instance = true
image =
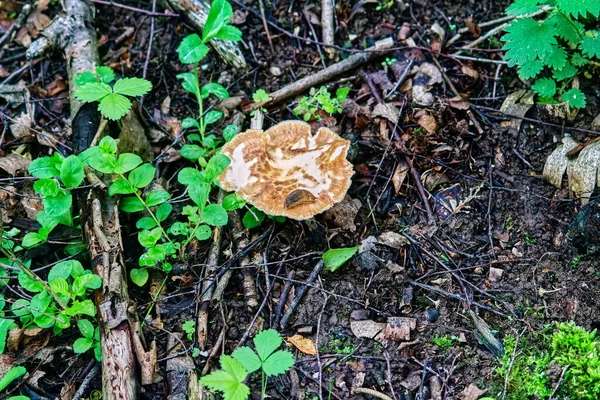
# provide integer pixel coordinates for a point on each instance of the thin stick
(371, 392)
(283, 298)
(134, 9)
(300, 293)
(327, 25)
(261, 6)
(484, 37)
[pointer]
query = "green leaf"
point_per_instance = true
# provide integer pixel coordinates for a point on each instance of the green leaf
(131, 205)
(40, 302)
(335, 258)
(209, 142)
(44, 167)
(19, 308)
(85, 307)
(71, 172)
(139, 276)
(566, 72)
(82, 345)
(92, 92)
(5, 326)
(46, 187)
(192, 50)
(106, 74)
(214, 215)
(148, 238)
(114, 106)
(203, 232)
(192, 152)
(101, 161)
(189, 82)
(233, 202)
(578, 60)
(63, 269)
(545, 87)
(266, 342)
(121, 186)
(86, 328)
(527, 39)
(278, 363)
(188, 123)
(229, 132)
(32, 239)
(132, 87)
(341, 94)
(253, 218)
(217, 164)
(85, 77)
(215, 89)
(522, 7)
(578, 8)
(566, 28)
(126, 162)
(59, 204)
(556, 58)
(178, 229)
(220, 13)
(59, 286)
(199, 194)
(145, 223)
(142, 175)
(260, 96)
(31, 285)
(108, 145)
(530, 69)
(11, 375)
(575, 98)
(212, 116)
(248, 358)
(157, 197)
(230, 33)
(228, 380)
(84, 282)
(163, 211)
(590, 46)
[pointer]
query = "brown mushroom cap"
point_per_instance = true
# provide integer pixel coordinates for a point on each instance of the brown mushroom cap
(288, 171)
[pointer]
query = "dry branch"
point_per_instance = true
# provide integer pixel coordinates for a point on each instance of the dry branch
(328, 26)
(196, 12)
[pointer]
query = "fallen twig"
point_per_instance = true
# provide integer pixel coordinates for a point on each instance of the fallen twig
(300, 293)
(327, 26)
(371, 392)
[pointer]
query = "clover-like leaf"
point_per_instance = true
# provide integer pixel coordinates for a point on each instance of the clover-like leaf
(132, 87)
(114, 106)
(278, 363)
(248, 358)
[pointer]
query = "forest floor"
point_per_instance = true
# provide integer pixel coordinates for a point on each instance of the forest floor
(500, 245)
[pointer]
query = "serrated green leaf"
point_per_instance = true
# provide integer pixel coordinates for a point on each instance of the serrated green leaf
(139, 276)
(578, 60)
(214, 215)
(278, 363)
(575, 98)
(126, 162)
(545, 87)
(335, 258)
(106, 74)
(191, 49)
(260, 96)
(530, 69)
(556, 58)
(157, 197)
(131, 205)
(248, 358)
(228, 380)
(523, 7)
(86, 328)
(566, 28)
(266, 342)
(132, 87)
(114, 106)
(82, 345)
(566, 72)
(92, 92)
(578, 8)
(590, 46)
(527, 39)
(71, 172)
(11, 375)
(121, 186)
(44, 167)
(142, 176)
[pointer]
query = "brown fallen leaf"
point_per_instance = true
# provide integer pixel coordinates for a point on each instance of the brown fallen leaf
(427, 121)
(399, 176)
(471, 392)
(470, 72)
(305, 345)
(474, 28)
(13, 163)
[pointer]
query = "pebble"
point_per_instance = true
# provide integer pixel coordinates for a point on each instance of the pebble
(275, 71)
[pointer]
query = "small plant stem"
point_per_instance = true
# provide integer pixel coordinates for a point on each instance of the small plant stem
(153, 302)
(200, 103)
(189, 239)
(264, 384)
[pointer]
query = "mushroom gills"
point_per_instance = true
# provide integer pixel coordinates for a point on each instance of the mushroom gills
(299, 197)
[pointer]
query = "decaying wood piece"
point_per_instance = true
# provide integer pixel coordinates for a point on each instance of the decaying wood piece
(181, 375)
(196, 12)
(328, 26)
(328, 73)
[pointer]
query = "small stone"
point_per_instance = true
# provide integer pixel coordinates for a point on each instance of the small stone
(275, 71)
(495, 274)
(359, 315)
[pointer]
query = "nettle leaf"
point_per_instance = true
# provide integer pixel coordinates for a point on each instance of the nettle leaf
(556, 58)
(522, 7)
(220, 13)
(335, 258)
(253, 218)
(44, 167)
(590, 46)
(46, 187)
(248, 358)
(566, 28)
(192, 50)
(229, 132)
(126, 162)
(278, 363)
(189, 82)
(578, 60)
(92, 92)
(214, 215)
(132, 87)
(86, 328)
(527, 39)
(131, 205)
(106, 74)
(157, 197)
(230, 33)
(203, 232)
(212, 116)
(215, 89)
(114, 106)
(575, 98)
(545, 87)
(139, 276)
(11, 375)
(229, 379)
(71, 172)
(142, 175)
(578, 8)
(121, 186)
(530, 69)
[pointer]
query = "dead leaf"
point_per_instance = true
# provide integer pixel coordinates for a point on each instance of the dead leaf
(398, 329)
(303, 344)
(13, 163)
(473, 27)
(344, 213)
(393, 240)
(427, 121)
(517, 103)
(387, 111)
(426, 75)
(556, 163)
(369, 329)
(470, 72)
(3, 72)
(459, 103)
(471, 392)
(399, 176)
(15, 94)
(6, 363)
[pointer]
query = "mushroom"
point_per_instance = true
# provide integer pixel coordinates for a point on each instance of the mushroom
(288, 171)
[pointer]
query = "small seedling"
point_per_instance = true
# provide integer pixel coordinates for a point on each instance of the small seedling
(235, 368)
(385, 5)
(189, 327)
(112, 100)
(90, 339)
(260, 96)
(388, 61)
(321, 100)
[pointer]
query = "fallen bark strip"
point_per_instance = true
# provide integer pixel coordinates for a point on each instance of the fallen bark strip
(328, 26)
(327, 74)
(196, 12)
(300, 293)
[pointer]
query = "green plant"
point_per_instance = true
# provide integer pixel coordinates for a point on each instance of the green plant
(90, 339)
(341, 346)
(385, 5)
(112, 100)
(527, 366)
(260, 96)
(189, 327)
(321, 100)
(10, 376)
(335, 258)
(442, 342)
(388, 61)
(554, 48)
(244, 361)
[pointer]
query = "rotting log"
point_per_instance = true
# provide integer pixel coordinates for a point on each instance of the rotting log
(196, 12)
(73, 33)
